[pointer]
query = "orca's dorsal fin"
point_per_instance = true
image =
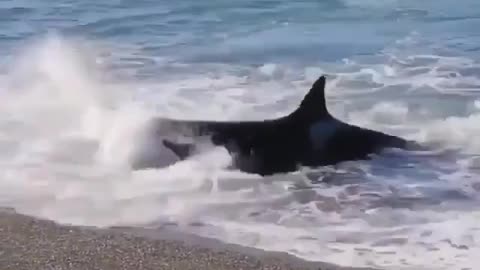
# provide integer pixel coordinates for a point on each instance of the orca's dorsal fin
(313, 106)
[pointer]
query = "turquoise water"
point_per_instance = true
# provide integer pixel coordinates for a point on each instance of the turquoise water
(79, 79)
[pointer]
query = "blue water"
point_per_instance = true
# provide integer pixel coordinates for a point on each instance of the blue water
(77, 78)
(252, 32)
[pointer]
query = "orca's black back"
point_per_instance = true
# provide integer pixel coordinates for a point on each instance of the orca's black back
(354, 143)
(262, 147)
(280, 145)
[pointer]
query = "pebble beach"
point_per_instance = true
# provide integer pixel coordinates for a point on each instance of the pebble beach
(31, 243)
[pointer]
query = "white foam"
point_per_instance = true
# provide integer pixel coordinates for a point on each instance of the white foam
(68, 131)
(382, 113)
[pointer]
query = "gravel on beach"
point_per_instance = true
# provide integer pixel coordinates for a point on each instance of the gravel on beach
(32, 243)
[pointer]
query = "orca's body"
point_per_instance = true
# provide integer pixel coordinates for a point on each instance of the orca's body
(309, 136)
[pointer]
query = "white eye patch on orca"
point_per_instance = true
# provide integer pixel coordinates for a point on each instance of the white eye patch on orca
(321, 131)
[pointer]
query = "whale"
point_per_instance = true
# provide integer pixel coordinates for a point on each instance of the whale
(307, 137)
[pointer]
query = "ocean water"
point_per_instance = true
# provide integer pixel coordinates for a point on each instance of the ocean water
(80, 79)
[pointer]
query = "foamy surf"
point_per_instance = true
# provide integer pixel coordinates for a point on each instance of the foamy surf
(69, 129)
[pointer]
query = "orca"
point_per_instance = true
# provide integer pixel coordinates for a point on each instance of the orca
(309, 136)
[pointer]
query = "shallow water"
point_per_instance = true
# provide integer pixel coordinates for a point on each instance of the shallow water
(79, 81)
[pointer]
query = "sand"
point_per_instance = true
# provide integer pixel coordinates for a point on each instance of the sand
(31, 243)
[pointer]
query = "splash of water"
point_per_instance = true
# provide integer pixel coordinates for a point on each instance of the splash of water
(68, 132)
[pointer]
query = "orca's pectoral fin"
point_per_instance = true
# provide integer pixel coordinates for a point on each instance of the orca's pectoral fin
(182, 150)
